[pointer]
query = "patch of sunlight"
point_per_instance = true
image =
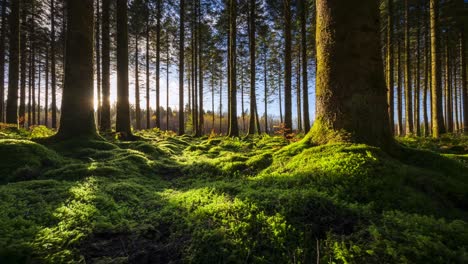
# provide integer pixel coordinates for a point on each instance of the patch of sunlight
(74, 222)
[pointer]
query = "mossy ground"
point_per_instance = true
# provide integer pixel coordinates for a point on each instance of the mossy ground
(217, 200)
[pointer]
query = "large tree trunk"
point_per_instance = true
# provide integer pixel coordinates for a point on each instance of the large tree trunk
(438, 126)
(233, 126)
(98, 60)
(13, 69)
(123, 106)
(23, 65)
(351, 90)
(105, 109)
(287, 67)
(77, 117)
(399, 92)
(181, 67)
(305, 83)
(417, 90)
(2, 61)
(390, 70)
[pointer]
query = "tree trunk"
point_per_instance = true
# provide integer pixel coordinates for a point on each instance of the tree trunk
(253, 65)
(390, 66)
(298, 93)
(53, 65)
(46, 103)
(123, 106)
(399, 92)
(158, 63)
(13, 69)
(287, 67)
(351, 90)
(98, 60)
(201, 119)
(464, 79)
(77, 118)
(181, 68)
(2, 62)
(105, 109)
(23, 65)
(168, 60)
(438, 126)
(305, 83)
(233, 126)
(408, 85)
(148, 111)
(448, 89)
(137, 88)
(417, 90)
(265, 89)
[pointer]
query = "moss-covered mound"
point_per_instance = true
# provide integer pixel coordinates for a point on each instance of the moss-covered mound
(167, 199)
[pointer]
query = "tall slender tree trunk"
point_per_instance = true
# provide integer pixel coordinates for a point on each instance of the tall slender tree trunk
(253, 65)
(280, 98)
(220, 105)
(201, 119)
(13, 69)
(350, 98)
(417, 90)
(408, 85)
(427, 86)
(158, 63)
(464, 78)
(448, 88)
(438, 126)
(23, 65)
(148, 108)
(168, 61)
(39, 95)
(33, 63)
(287, 66)
(399, 92)
(46, 96)
(2, 61)
(390, 66)
(137, 87)
(265, 89)
(305, 83)
(53, 84)
(105, 124)
(98, 60)
(79, 73)
(181, 68)
(233, 126)
(298, 93)
(123, 106)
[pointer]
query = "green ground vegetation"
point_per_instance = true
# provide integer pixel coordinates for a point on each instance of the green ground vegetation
(179, 199)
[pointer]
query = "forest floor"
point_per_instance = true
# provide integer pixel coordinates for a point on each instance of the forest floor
(170, 199)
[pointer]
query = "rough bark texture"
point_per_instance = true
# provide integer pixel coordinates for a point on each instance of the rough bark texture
(123, 106)
(105, 109)
(13, 71)
(351, 92)
(408, 86)
(77, 117)
(438, 126)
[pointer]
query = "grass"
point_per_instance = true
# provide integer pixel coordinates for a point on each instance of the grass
(260, 199)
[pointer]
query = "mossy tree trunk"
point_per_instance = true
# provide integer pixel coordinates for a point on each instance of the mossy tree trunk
(105, 124)
(77, 117)
(13, 69)
(123, 107)
(351, 91)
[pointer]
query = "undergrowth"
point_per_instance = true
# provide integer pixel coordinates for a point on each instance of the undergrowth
(259, 199)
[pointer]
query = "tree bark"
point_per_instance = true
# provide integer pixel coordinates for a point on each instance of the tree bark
(438, 126)
(2, 61)
(253, 65)
(105, 125)
(77, 119)
(181, 68)
(408, 85)
(305, 83)
(464, 79)
(351, 91)
(123, 106)
(158, 63)
(233, 126)
(390, 66)
(137, 87)
(98, 60)
(53, 58)
(148, 107)
(287, 67)
(13, 69)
